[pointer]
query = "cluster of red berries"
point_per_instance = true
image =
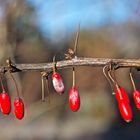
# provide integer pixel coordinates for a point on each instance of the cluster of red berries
(120, 94)
(124, 102)
(5, 104)
(74, 97)
(122, 97)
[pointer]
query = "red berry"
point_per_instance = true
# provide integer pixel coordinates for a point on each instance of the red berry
(121, 95)
(74, 99)
(125, 110)
(18, 108)
(58, 83)
(136, 96)
(5, 103)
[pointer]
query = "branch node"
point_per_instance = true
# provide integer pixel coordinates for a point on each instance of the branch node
(11, 67)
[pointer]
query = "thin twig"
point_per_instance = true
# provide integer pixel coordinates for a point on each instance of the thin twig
(75, 53)
(54, 64)
(76, 40)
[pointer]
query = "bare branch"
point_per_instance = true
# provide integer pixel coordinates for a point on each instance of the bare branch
(80, 61)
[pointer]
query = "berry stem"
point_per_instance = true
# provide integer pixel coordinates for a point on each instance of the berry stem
(42, 86)
(132, 80)
(117, 86)
(3, 89)
(118, 89)
(113, 78)
(16, 87)
(73, 76)
(114, 81)
(108, 78)
(48, 91)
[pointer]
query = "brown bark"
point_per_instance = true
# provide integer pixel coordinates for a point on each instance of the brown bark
(79, 61)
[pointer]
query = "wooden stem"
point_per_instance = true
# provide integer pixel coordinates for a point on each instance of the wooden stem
(78, 61)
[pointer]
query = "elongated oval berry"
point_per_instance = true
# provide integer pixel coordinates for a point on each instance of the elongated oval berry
(136, 97)
(121, 95)
(18, 108)
(74, 99)
(58, 83)
(125, 111)
(5, 103)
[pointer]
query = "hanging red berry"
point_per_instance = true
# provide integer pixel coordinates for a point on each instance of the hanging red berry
(125, 110)
(136, 97)
(136, 93)
(123, 102)
(5, 103)
(18, 108)
(121, 94)
(58, 83)
(18, 103)
(74, 99)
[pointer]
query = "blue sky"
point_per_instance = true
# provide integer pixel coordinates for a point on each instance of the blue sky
(55, 16)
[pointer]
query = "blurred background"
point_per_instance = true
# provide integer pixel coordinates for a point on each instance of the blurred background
(32, 31)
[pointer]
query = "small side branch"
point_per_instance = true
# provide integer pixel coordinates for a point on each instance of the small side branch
(78, 61)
